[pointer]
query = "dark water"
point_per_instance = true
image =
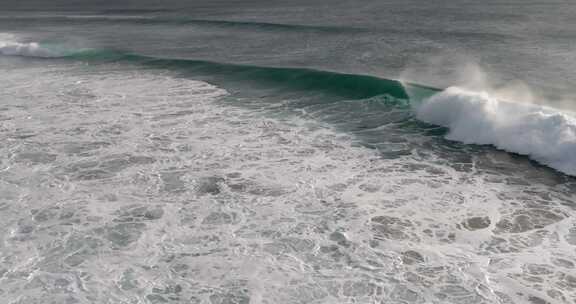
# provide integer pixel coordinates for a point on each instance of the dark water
(273, 152)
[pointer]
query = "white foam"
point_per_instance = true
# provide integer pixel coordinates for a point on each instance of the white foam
(544, 134)
(249, 204)
(10, 46)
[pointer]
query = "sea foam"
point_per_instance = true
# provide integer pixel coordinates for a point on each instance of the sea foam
(546, 135)
(11, 46)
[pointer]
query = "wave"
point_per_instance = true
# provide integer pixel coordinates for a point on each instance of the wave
(135, 11)
(546, 135)
(162, 20)
(146, 17)
(352, 86)
(9, 46)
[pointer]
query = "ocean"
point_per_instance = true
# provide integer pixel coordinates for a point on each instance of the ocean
(271, 152)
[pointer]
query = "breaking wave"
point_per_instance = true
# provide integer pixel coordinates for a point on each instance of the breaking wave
(546, 135)
(13, 48)
(10, 45)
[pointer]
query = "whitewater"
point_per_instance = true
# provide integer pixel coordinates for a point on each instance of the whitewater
(545, 134)
(10, 46)
(137, 186)
(264, 153)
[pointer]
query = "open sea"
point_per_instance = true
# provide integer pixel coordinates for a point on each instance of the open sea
(288, 152)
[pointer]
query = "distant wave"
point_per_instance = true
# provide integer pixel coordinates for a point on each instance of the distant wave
(145, 17)
(175, 20)
(135, 11)
(546, 135)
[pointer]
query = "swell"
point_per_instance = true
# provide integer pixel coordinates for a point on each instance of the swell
(349, 86)
(161, 20)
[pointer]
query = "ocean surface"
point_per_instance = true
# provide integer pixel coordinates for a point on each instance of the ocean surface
(266, 152)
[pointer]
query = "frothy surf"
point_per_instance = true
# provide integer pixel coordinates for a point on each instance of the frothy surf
(130, 185)
(546, 135)
(11, 45)
(126, 183)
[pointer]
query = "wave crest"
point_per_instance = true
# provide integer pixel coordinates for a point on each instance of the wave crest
(10, 46)
(546, 135)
